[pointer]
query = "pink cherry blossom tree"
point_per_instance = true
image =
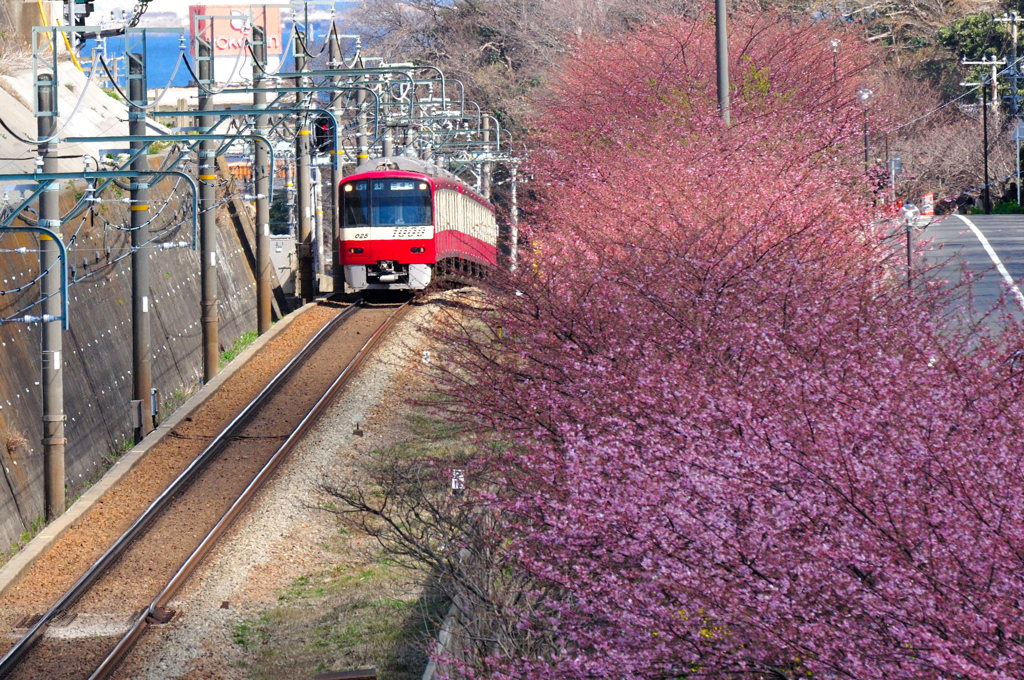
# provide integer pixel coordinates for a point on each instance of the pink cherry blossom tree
(717, 435)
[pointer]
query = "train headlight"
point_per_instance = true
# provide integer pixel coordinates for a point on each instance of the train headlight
(355, 251)
(348, 187)
(418, 249)
(423, 186)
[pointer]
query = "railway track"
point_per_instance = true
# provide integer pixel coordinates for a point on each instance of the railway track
(90, 629)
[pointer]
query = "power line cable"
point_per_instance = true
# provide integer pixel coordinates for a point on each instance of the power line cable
(70, 117)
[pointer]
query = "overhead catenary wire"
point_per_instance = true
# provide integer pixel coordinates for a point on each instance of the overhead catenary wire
(234, 72)
(83, 220)
(60, 130)
(164, 89)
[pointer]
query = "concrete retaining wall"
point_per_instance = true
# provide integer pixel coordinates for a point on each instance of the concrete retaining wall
(98, 346)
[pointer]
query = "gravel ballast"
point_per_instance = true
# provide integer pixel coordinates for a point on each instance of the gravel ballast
(285, 554)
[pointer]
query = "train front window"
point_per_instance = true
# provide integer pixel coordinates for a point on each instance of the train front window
(386, 203)
(355, 204)
(398, 202)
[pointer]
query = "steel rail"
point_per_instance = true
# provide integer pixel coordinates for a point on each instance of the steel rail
(17, 653)
(157, 609)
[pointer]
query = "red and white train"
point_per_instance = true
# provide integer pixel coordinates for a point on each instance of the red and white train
(405, 221)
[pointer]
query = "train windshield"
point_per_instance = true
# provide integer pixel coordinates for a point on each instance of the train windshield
(385, 203)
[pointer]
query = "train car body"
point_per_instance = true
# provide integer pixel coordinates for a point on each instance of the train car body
(405, 222)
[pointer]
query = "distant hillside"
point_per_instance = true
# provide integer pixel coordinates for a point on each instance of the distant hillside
(163, 20)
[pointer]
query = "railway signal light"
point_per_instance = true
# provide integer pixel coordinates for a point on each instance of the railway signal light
(323, 137)
(76, 11)
(75, 14)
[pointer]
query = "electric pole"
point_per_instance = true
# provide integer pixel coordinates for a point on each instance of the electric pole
(1014, 73)
(303, 198)
(142, 381)
(52, 360)
(261, 173)
(335, 175)
(208, 214)
(992, 63)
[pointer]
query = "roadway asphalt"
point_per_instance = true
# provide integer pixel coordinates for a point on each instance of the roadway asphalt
(989, 246)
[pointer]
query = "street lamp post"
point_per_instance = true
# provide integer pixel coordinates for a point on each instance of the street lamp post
(834, 42)
(864, 96)
(911, 213)
(722, 58)
(895, 168)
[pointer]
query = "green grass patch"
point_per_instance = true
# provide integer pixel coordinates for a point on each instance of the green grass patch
(369, 615)
(369, 609)
(27, 535)
(433, 430)
(173, 402)
(237, 346)
(250, 634)
(157, 147)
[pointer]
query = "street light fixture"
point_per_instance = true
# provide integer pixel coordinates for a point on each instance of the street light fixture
(864, 96)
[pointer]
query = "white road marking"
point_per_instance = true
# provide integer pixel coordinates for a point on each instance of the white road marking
(995, 259)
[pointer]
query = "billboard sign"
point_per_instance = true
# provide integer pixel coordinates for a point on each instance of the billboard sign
(227, 27)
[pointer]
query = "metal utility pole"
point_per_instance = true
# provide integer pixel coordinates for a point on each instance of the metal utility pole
(984, 153)
(485, 169)
(513, 238)
(409, 144)
(1014, 110)
(993, 64)
(305, 208)
(142, 380)
(207, 211)
(834, 44)
(994, 70)
(722, 55)
(1014, 72)
(316, 186)
(337, 273)
(362, 138)
(261, 173)
(1013, 18)
(52, 363)
(289, 191)
(895, 168)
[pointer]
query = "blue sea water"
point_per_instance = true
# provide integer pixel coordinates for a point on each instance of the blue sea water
(162, 49)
